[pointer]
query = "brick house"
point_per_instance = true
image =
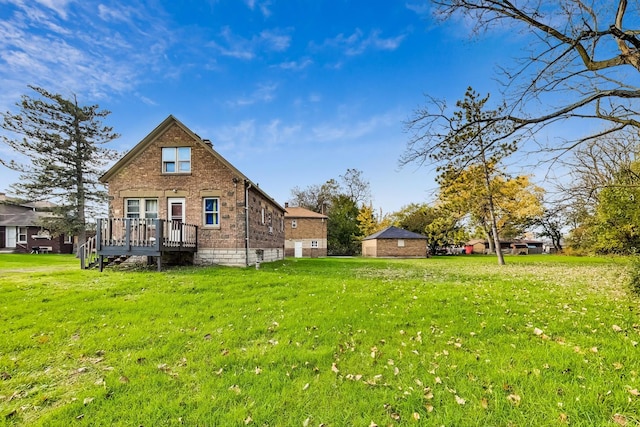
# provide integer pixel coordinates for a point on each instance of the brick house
(21, 229)
(173, 179)
(515, 247)
(305, 233)
(395, 242)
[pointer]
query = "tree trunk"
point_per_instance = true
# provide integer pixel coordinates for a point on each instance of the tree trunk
(492, 215)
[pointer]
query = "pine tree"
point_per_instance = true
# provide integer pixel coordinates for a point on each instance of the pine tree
(63, 145)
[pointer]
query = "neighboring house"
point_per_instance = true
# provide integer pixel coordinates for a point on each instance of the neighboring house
(305, 233)
(515, 247)
(173, 192)
(394, 242)
(21, 230)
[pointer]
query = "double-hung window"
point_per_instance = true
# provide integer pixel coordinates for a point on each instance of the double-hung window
(22, 234)
(211, 209)
(176, 159)
(141, 208)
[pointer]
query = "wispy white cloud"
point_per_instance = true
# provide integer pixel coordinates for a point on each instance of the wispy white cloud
(419, 8)
(59, 6)
(343, 130)
(80, 48)
(240, 47)
(296, 65)
(358, 42)
(262, 6)
(264, 93)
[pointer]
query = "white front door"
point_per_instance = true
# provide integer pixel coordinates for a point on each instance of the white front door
(11, 237)
(297, 249)
(176, 215)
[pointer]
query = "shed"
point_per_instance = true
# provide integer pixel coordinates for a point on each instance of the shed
(395, 242)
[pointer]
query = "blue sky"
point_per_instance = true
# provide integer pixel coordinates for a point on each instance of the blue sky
(292, 92)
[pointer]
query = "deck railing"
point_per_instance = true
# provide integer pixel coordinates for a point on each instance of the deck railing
(88, 254)
(158, 234)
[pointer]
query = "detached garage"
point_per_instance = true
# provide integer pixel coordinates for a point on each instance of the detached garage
(395, 242)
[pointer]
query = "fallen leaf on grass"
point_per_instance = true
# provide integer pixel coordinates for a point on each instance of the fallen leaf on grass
(334, 368)
(235, 388)
(459, 400)
(484, 403)
(620, 419)
(429, 408)
(634, 392)
(248, 420)
(416, 416)
(306, 386)
(88, 400)
(514, 399)
(616, 328)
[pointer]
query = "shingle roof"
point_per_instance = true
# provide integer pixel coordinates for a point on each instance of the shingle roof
(296, 212)
(24, 219)
(395, 233)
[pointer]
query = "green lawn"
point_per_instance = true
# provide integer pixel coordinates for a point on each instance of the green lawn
(453, 341)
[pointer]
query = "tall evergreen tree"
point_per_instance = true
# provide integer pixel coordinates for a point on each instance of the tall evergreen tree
(63, 143)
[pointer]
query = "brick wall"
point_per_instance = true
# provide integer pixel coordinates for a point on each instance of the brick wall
(390, 248)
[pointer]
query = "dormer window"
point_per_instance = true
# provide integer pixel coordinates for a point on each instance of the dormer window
(176, 159)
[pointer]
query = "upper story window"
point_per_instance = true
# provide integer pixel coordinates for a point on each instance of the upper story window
(211, 211)
(176, 159)
(141, 208)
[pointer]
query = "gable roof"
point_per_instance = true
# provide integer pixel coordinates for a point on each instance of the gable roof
(393, 232)
(20, 216)
(158, 131)
(297, 212)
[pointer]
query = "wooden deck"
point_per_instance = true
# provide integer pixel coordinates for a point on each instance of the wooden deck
(117, 237)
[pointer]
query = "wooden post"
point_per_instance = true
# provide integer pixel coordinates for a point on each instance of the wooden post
(127, 233)
(99, 234)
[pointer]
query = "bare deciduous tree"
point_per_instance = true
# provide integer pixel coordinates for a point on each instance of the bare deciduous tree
(582, 61)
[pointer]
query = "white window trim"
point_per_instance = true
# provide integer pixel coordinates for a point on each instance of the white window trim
(294, 223)
(204, 212)
(142, 204)
(401, 243)
(68, 238)
(19, 233)
(314, 244)
(175, 160)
